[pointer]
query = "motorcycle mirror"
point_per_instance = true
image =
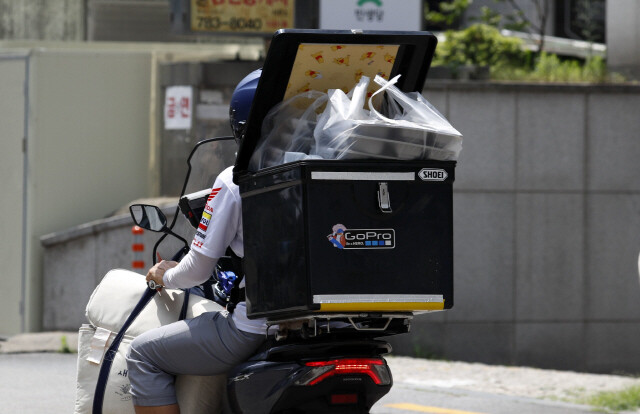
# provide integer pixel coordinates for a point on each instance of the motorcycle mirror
(148, 217)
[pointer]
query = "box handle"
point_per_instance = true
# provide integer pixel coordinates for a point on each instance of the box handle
(384, 201)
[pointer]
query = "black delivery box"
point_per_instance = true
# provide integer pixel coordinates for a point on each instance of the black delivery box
(344, 236)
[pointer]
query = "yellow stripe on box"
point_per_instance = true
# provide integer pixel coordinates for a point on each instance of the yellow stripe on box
(381, 306)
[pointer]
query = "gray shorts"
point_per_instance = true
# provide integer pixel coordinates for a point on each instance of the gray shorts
(209, 344)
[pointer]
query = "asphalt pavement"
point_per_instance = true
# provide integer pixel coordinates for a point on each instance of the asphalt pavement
(36, 378)
(37, 383)
(42, 383)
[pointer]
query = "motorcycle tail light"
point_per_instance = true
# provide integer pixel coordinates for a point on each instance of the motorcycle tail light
(375, 368)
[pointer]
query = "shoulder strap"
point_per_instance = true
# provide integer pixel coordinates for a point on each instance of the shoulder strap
(185, 305)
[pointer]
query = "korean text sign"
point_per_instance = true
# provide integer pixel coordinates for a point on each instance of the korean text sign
(244, 16)
(178, 107)
(371, 14)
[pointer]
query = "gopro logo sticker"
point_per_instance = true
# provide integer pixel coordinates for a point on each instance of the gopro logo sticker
(433, 174)
(343, 238)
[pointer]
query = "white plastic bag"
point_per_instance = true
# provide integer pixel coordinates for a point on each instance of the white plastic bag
(339, 118)
(410, 129)
(287, 131)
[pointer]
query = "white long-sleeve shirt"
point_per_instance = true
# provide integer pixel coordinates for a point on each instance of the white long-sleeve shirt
(220, 227)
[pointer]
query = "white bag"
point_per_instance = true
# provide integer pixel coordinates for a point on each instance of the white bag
(110, 305)
(410, 128)
(287, 131)
(407, 127)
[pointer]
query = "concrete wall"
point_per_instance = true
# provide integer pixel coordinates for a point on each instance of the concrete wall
(87, 146)
(39, 19)
(623, 36)
(76, 259)
(547, 229)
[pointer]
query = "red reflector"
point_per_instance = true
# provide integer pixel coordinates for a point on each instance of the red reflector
(137, 264)
(344, 399)
(348, 366)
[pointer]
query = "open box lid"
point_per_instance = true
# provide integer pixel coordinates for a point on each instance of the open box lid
(302, 60)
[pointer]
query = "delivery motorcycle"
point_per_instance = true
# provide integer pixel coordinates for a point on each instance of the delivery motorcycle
(314, 363)
(348, 224)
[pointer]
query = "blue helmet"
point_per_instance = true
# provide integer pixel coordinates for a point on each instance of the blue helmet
(241, 102)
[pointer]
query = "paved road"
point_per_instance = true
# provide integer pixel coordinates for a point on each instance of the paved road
(37, 383)
(45, 383)
(407, 399)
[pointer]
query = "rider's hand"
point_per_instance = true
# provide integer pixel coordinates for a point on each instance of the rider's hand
(157, 271)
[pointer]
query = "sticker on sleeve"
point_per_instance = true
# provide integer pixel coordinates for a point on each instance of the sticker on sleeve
(204, 222)
(200, 236)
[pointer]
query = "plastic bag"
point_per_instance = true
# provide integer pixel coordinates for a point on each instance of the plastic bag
(407, 127)
(343, 111)
(287, 131)
(410, 129)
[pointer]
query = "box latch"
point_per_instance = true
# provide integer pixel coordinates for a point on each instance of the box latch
(384, 202)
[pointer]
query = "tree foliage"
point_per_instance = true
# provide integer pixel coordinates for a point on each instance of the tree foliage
(480, 45)
(447, 13)
(585, 12)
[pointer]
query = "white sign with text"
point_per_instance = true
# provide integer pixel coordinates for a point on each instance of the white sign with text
(178, 107)
(405, 15)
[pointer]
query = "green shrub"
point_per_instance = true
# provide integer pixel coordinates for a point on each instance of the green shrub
(550, 68)
(627, 399)
(595, 70)
(481, 45)
(64, 345)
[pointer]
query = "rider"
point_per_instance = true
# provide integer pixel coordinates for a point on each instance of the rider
(213, 342)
